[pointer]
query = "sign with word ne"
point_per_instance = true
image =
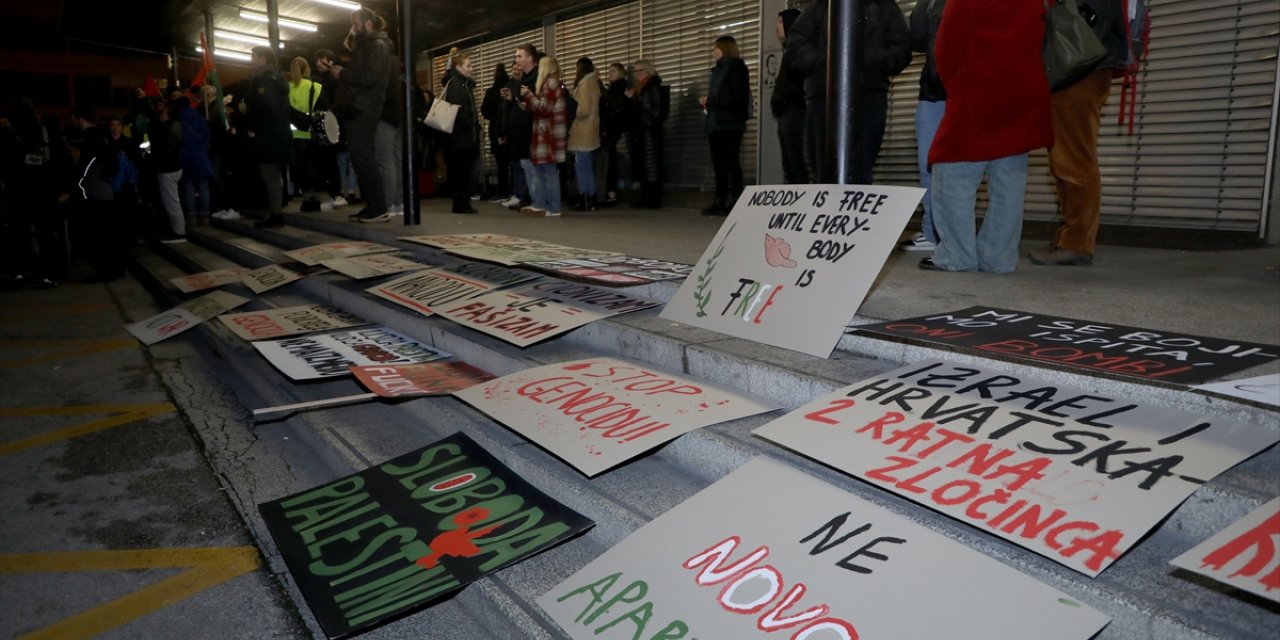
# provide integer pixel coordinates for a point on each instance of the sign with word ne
(1260, 389)
(207, 280)
(371, 266)
(770, 553)
(598, 413)
(617, 271)
(313, 254)
(425, 379)
(790, 266)
(289, 321)
(1244, 555)
(269, 277)
(527, 251)
(184, 316)
(433, 287)
(449, 241)
(390, 539)
(332, 354)
(539, 311)
(1075, 476)
(1082, 344)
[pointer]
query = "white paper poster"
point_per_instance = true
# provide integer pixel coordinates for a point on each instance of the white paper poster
(429, 288)
(1244, 555)
(528, 251)
(332, 354)
(312, 255)
(539, 311)
(449, 241)
(269, 277)
(288, 321)
(1264, 389)
(1076, 477)
(371, 266)
(770, 553)
(600, 412)
(184, 316)
(207, 280)
(791, 265)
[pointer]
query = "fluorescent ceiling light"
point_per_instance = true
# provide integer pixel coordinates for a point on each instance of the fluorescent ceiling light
(243, 37)
(343, 4)
(230, 55)
(284, 22)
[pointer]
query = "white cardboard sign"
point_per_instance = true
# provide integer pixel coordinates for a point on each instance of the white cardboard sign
(433, 287)
(770, 553)
(539, 311)
(269, 277)
(332, 354)
(312, 255)
(289, 321)
(791, 265)
(184, 316)
(1265, 389)
(207, 280)
(1076, 477)
(600, 412)
(371, 265)
(1244, 555)
(528, 251)
(449, 241)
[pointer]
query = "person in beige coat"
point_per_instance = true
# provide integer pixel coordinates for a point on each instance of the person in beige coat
(584, 134)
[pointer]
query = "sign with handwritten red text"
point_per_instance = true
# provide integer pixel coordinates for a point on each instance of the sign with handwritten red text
(614, 271)
(1244, 555)
(449, 241)
(184, 316)
(770, 553)
(207, 280)
(1075, 476)
(600, 412)
(313, 254)
(332, 354)
(1082, 344)
(539, 311)
(371, 266)
(528, 251)
(423, 379)
(269, 277)
(424, 290)
(289, 321)
(791, 265)
(395, 537)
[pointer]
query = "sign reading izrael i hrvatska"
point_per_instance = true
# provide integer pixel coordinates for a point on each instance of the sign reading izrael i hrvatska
(790, 266)
(1074, 476)
(392, 538)
(539, 311)
(769, 553)
(332, 354)
(1097, 347)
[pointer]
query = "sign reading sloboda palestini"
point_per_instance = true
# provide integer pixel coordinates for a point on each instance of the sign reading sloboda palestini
(313, 254)
(1243, 555)
(370, 266)
(288, 321)
(332, 354)
(790, 266)
(387, 540)
(269, 277)
(426, 289)
(769, 553)
(1076, 477)
(424, 379)
(207, 280)
(539, 311)
(184, 316)
(600, 412)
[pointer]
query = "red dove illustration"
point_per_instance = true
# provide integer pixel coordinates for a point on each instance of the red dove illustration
(777, 252)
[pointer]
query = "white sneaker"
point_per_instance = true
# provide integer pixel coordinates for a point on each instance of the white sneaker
(396, 210)
(326, 206)
(226, 214)
(553, 214)
(497, 200)
(511, 203)
(476, 197)
(917, 243)
(339, 201)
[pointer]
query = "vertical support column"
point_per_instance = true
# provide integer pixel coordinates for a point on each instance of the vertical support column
(173, 66)
(273, 25)
(844, 92)
(409, 175)
(208, 32)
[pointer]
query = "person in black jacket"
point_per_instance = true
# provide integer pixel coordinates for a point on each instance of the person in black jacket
(727, 107)
(613, 123)
(520, 125)
(787, 104)
(498, 112)
(646, 112)
(464, 143)
(266, 111)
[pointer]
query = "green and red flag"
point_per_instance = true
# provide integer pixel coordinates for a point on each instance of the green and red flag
(208, 75)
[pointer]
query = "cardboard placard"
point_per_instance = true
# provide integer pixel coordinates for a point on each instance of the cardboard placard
(1243, 555)
(332, 354)
(539, 311)
(771, 553)
(432, 287)
(371, 265)
(426, 379)
(390, 539)
(289, 321)
(1076, 477)
(449, 241)
(791, 265)
(600, 412)
(1082, 344)
(617, 271)
(269, 277)
(207, 280)
(527, 251)
(1262, 389)
(184, 316)
(313, 254)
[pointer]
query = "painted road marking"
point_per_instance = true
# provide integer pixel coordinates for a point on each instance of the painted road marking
(124, 413)
(62, 349)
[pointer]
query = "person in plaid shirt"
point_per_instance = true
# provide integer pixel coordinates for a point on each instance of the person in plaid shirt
(549, 109)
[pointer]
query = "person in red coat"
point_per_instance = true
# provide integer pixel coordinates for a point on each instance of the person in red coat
(998, 109)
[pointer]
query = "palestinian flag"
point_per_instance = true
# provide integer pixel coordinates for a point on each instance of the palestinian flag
(208, 75)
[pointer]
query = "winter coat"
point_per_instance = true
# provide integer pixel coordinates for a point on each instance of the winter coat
(466, 128)
(584, 135)
(1109, 26)
(520, 133)
(925, 18)
(304, 96)
(195, 144)
(498, 112)
(988, 56)
(98, 164)
(266, 111)
(550, 114)
(886, 46)
(729, 96)
(645, 111)
(362, 85)
(165, 137)
(613, 112)
(788, 87)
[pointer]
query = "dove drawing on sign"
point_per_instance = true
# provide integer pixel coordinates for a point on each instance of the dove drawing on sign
(777, 252)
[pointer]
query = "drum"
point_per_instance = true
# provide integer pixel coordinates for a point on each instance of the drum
(324, 127)
(331, 130)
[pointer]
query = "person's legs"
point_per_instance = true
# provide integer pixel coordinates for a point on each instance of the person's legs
(520, 180)
(875, 115)
(584, 169)
(533, 183)
(168, 185)
(955, 188)
(815, 128)
(1073, 160)
(549, 185)
(733, 168)
(361, 145)
(1002, 226)
(791, 144)
(387, 146)
(273, 180)
(719, 164)
(928, 116)
(502, 158)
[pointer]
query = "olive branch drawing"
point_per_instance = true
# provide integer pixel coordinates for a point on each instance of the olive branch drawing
(700, 293)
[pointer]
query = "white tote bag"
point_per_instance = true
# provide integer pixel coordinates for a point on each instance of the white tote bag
(442, 114)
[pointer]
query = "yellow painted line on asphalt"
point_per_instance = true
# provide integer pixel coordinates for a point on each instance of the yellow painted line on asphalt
(62, 349)
(206, 567)
(123, 414)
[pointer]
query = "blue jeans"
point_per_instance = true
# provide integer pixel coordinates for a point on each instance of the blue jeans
(584, 171)
(346, 175)
(928, 116)
(955, 188)
(530, 182)
(545, 186)
(520, 179)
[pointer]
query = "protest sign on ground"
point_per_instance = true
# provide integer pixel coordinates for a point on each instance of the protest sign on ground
(371, 265)
(332, 354)
(429, 288)
(424, 379)
(184, 316)
(1263, 389)
(1244, 555)
(528, 251)
(616, 271)
(289, 321)
(539, 311)
(313, 254)
(269, 277)
(207, 280)
(449, 241)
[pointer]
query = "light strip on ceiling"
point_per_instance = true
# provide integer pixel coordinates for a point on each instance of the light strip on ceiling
(230, 55)
(243, 37)
(284, 22)
(342, 4)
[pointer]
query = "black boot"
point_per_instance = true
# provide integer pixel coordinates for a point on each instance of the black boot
(580, 204)
(589, 203)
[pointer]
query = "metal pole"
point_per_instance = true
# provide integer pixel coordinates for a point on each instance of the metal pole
(409, 177)
(273, 25)
(208, 32)
(173, 65)
(844, 93)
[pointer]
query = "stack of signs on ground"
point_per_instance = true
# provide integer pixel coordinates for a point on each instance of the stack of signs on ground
(1112, 349)
(184, 316)
(526, 251)
(426, 379)
(289, 321)
(387, 540)
(429, 288)
(598, 413)
(790, 267)
(1243, 555)
(769, 552)
(1076, 477)
(313, 254)
(449, 241)
(371, 266)
(207, 280)
(269, 277)
(618, 271)
(332, 354)
(539, 311)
